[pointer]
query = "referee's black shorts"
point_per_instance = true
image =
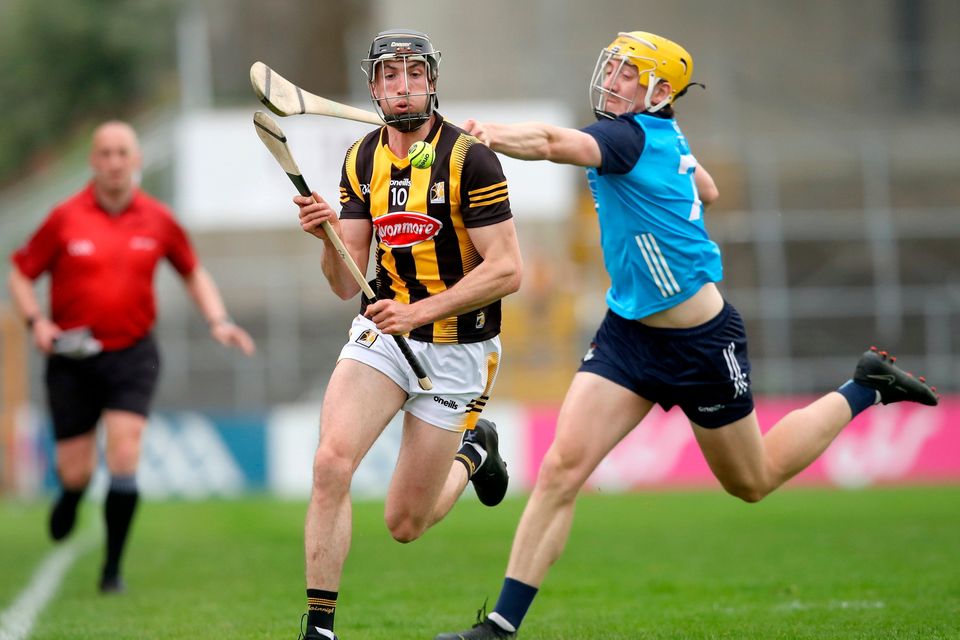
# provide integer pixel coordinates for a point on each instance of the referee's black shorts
(704, 369)
(78, 391)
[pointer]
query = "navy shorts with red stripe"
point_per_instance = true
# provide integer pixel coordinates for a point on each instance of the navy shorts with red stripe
(704, 370)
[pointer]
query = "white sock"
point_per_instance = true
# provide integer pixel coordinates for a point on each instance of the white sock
(501, 622)
(480, 450)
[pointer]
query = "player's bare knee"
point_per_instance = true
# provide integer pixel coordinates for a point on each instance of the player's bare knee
(122, 460)
(405, 527)
(406, 533)
(75, 477)
(331, 473)
(560, 477)
(746, 492)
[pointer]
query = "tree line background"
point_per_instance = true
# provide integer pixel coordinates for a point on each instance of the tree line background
(66, 65)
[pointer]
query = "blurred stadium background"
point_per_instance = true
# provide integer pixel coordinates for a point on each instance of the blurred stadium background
(832, 128)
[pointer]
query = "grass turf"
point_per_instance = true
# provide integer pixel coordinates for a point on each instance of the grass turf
(882, 563)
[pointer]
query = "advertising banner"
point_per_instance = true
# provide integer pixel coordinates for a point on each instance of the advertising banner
(900, 443)
(196, 455)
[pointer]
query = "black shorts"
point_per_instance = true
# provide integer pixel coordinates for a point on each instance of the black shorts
(704, 369)
(78, 391)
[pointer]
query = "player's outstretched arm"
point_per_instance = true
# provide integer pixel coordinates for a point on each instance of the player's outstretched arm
(205, 294)
(538, 141)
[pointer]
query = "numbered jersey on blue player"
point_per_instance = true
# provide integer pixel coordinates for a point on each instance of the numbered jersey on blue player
(655, 246)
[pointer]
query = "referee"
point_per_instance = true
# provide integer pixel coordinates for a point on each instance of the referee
(101, 248)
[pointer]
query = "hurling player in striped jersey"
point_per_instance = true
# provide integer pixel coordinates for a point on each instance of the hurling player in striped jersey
(446, 252)
(669, 337)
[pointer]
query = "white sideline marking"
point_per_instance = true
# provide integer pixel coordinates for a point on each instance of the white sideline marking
(17, 621)
(799, 605)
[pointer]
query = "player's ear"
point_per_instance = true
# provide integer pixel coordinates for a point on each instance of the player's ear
(664, 89)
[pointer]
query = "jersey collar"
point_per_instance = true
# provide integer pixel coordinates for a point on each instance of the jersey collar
(432, 136)
(91, 195)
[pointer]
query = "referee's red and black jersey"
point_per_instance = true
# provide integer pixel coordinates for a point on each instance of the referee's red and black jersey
(102, 264)
(421, 217)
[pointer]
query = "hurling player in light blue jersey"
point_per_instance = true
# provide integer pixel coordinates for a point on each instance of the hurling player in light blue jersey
(669, 337)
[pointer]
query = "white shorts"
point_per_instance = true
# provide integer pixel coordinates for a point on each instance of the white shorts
(462, 374)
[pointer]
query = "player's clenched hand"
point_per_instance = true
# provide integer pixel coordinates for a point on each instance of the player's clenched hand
(392, 317)
(313, 213)
(478, 130)
(44, 334)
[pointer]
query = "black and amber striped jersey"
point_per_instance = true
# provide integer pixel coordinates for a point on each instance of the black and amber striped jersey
(421, 216)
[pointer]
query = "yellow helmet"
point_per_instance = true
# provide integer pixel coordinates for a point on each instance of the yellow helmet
(656, 59)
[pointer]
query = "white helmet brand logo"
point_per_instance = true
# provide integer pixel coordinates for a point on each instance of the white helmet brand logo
(405, 45)
(406, 228)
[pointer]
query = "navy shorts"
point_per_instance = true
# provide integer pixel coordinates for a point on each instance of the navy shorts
(78, 391)
(703, 369)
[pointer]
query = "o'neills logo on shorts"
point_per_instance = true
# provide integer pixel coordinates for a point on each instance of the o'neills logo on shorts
(406, 228)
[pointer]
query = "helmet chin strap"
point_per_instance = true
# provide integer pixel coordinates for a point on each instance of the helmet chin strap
(652, 82)
(407, 122)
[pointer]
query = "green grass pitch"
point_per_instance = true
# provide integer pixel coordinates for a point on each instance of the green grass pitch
(805, 563)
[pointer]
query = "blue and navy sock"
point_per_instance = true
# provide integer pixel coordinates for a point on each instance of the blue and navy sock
(512, 605)
(859, 397)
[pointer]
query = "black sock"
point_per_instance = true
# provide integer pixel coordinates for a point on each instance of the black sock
(64, 513)
(71, 497)
(118, 512)
(469, 457)
(321, 607)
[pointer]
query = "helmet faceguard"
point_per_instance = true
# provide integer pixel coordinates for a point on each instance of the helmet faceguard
(408, 48)
(656, 60)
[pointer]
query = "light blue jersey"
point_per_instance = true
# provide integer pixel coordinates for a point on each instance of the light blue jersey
(655, 246)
